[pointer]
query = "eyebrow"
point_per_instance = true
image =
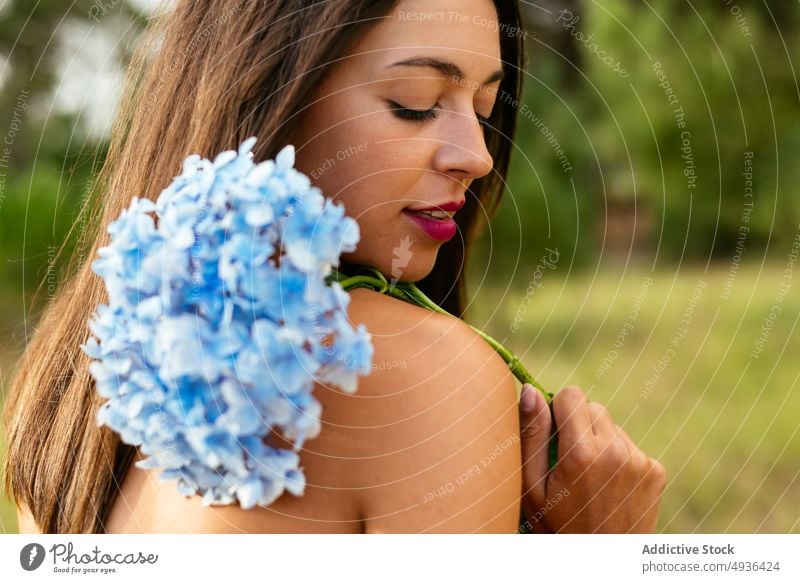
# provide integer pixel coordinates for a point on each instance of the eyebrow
(445, 67)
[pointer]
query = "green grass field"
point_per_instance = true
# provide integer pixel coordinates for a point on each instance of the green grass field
(723, 422)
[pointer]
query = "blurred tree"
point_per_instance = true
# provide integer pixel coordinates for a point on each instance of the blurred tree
(730, 81)
(45, 169)
(657, 106)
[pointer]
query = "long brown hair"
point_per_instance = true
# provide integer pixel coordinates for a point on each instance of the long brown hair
(207, 75)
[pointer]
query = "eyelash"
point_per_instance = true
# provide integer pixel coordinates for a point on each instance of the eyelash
(418, 116)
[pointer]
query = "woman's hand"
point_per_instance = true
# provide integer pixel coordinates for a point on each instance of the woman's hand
(602, 483)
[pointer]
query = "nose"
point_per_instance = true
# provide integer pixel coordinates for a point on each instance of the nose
(462, 148)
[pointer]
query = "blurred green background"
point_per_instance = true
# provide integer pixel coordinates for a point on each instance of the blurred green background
(651, 134)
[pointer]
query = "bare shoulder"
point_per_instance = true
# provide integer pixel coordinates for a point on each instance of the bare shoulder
(428, 443)
(425, 357)
(402, 331)
(436, 424)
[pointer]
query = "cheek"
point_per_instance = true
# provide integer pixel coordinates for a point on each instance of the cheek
(366, 164)
(361, 155)
(374, 179)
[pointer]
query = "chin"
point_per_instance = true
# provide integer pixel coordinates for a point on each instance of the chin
(411, 273)
(416, 269)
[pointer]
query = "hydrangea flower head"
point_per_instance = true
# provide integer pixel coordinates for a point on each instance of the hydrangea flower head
(220, 320)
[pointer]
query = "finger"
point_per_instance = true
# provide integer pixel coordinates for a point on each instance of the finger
(602, 423)
(636, 453)
(535, 427)
(640, 463)
(572, 417)
(658, 474)
(621, 434)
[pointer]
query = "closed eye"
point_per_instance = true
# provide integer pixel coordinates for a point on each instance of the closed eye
(413, 114)
(418, 115)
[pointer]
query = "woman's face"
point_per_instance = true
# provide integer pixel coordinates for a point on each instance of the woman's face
(388, 140)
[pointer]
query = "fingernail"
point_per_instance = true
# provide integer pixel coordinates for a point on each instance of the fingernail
(528, 398)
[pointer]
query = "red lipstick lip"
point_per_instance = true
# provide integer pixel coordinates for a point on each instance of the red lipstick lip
(439, 230)
(445, 206)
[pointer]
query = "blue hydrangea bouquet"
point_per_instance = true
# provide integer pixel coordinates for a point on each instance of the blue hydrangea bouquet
(225, 306)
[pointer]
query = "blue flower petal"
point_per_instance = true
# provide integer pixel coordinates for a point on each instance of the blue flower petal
(219, 321)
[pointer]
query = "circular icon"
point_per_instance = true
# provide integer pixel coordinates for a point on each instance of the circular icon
(31, 556)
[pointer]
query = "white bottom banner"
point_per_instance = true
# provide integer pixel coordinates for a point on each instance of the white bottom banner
(330, 558)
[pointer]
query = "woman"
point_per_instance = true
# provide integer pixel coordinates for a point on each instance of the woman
(394, 109)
